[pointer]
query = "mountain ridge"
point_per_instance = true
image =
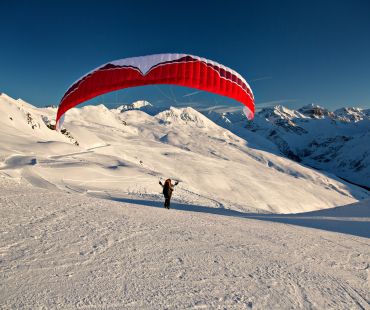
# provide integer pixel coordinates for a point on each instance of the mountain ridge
(126, 153)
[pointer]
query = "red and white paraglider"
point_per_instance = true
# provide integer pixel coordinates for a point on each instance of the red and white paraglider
(178, 69)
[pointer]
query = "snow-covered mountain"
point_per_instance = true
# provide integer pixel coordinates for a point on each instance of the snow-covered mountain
(338, 142)
(83, 223)
(117, 153)
(139, 104)
(142, 105)
(312, 135)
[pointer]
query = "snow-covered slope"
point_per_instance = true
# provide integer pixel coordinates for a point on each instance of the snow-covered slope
(69, 251)
(338, 142)
(127, 153)
(82, 222)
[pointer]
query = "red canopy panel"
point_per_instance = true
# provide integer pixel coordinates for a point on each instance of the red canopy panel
(177, 69)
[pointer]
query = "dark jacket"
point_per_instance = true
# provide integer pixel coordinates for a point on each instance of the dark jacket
(168, 188)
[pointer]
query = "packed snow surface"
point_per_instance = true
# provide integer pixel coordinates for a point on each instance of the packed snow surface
(64, 251)
(83, 224)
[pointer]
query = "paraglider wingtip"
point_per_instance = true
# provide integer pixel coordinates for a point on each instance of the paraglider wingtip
(248, 113)
(59, 123)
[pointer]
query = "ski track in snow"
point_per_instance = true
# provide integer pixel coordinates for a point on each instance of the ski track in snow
(80, 252)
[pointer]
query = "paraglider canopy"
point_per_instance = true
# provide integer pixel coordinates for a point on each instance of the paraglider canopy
(178, 69)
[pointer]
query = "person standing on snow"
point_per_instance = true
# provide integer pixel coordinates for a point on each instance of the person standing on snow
(168, 188)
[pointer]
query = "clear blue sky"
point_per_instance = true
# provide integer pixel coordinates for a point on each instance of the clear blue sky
(294, 52)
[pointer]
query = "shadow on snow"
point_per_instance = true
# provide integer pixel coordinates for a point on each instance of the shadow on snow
(353, 220)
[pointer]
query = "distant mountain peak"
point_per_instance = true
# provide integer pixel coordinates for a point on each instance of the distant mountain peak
(315, 111)
(134, 106)
(351, 114)
(279, 112)
(188, 116)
